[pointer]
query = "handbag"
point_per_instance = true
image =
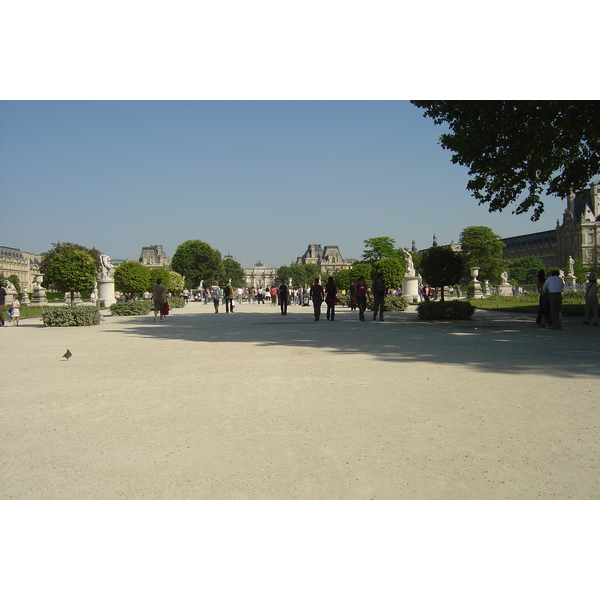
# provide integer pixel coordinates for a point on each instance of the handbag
(165, 309)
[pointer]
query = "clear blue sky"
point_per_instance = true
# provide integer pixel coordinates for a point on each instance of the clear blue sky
(256, 179)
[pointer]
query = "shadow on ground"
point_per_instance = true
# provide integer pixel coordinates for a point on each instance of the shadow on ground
(491, 341)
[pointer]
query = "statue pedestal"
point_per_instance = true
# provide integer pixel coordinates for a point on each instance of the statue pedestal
(106, 293)
(505, 289)
(410, 289)
(570, 280)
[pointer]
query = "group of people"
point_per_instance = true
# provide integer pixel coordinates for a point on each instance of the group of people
(550, 290)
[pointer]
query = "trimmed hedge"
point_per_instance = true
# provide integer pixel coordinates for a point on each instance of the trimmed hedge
(70, 316)
(390, 304)
(133, 307)
(445, 311)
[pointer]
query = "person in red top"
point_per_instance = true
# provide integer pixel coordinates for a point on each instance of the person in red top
(317, 294)
(361, 297)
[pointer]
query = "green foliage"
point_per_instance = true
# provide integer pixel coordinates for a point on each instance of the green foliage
(342, 279)
(176, 285)
(58, 248)
(378, 248)
(516, 147)
(441, 266)
(390, 303)
(298, 273)
(15, 281)
(176, 302)
(70, 316)
(197, 261)
(359, 270)
(132, 278)
(234, 271)
(393, 271)
(158, 273)
(482, 248)
(445, 311)
(71, 270)
(524, 270)
(134, 307)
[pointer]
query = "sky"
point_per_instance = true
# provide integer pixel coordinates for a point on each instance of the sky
(258, 180)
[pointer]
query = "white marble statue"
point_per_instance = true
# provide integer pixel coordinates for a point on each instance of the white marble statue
(571, 266)
(410, 266)
(106, 268)
(504, 276)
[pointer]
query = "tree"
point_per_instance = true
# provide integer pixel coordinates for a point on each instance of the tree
(58, 248)
(359, 270)
(197, 261)
(441, 266)
(524, 270)
(312, 272)
(71, 270)
(516, 147)
(132, 278)
(176, 283)
(482, 248)
(234, 271)
(159, 273)
(296, 272)
(393, 271)
(15, 281)
(379, 247)
(342, 279)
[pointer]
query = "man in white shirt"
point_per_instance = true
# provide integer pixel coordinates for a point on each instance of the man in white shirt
(554, 285)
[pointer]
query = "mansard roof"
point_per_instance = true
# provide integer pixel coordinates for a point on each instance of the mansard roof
(538, 240)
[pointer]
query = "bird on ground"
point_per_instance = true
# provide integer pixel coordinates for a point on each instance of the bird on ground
(67, 354)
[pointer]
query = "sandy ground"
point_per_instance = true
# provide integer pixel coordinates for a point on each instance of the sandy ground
(254, 405)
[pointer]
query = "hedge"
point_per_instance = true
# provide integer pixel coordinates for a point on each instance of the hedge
(70, 316)
(445, 311)
(133, 307)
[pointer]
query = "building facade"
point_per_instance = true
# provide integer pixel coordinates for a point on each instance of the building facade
(154, 257)
(329, 259)
(260, 275)
(25, 265)
(578, 236)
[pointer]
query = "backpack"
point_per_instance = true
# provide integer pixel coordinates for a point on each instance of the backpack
(226, 291)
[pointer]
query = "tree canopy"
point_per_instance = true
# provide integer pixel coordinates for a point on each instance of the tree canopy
(441, 266)
(197, 261)
(524, 270)
(379, 247)
(71, 270)
(521, 147)
(57, 249)
(132, 278)
(234, 271)
(298, 273)
(482, 248)
(392, 269)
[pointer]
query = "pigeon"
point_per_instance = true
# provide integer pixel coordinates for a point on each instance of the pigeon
(67, 354)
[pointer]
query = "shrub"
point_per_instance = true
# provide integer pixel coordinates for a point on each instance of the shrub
(70, 316)
(444, 311)
(390, 303)
(176, 302)
(133, 307)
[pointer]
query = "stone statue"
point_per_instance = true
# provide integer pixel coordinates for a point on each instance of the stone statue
(571, 266)
(106, 268)
(504, 276)
(410, 266)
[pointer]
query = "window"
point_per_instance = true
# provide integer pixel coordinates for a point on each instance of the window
(590, 238)
(590, 254)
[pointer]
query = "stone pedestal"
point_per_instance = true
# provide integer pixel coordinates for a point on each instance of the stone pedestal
(486, 287)
(106, 293)
(25, 297)
(505, 289)
(410, 289)
(39, 293)
(570, 280)
(474, 288)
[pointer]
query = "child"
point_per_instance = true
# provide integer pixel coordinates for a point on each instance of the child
(14, 311)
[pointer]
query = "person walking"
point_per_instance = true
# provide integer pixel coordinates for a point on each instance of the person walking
(228, 295)
(543, 318)
(352, 293)
(317, 295)
(159, 297)
(378, 290)
(2, 304)
(215, 293)
(554, 285)
(283, 292)
(330, 298)
(361, 297)
(591, 299)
